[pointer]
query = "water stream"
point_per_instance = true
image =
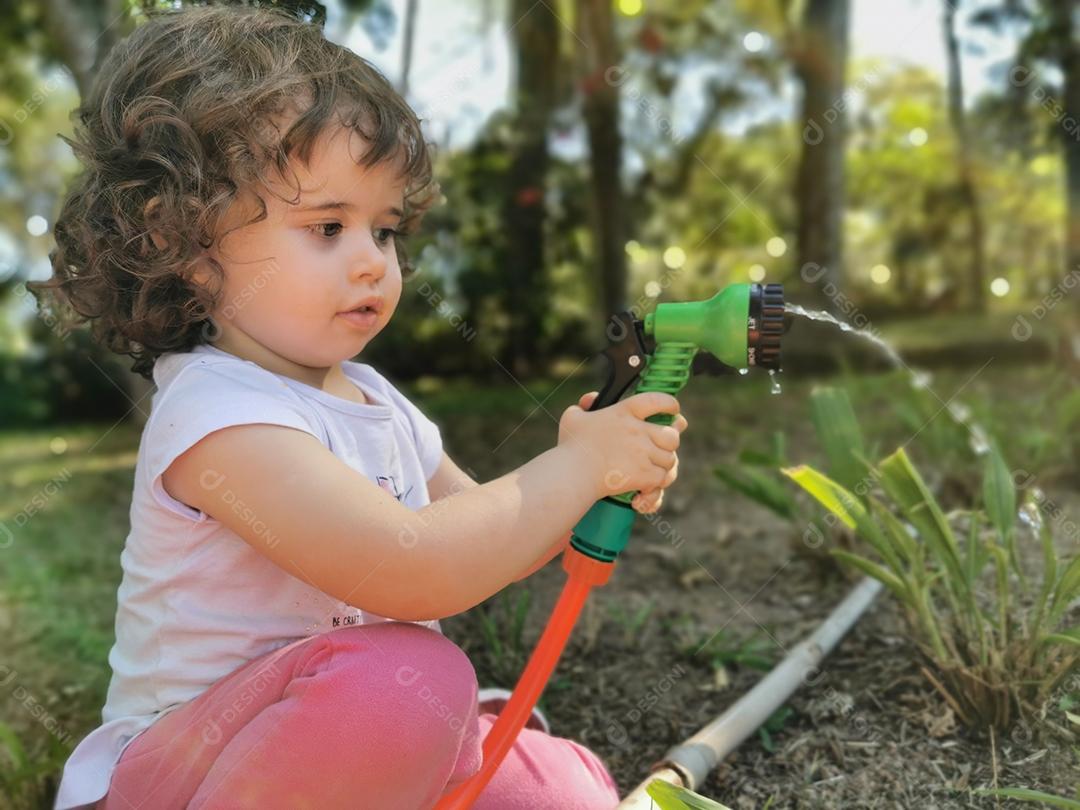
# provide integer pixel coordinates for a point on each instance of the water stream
(775, 388)
(960, 413)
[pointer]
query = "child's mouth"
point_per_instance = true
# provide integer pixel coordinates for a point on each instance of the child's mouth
(363, 317)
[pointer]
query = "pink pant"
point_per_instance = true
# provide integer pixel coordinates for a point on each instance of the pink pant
(373, 716)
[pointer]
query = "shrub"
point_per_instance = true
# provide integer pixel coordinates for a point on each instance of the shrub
(994, 638)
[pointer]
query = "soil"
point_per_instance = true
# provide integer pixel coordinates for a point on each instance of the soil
(723, 574)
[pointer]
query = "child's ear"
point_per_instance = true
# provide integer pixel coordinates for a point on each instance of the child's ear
(202, 274)
(148, 216)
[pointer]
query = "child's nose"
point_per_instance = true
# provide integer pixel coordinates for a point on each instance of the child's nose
(368, 260)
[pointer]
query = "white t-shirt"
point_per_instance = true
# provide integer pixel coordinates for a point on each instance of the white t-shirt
(196, 601)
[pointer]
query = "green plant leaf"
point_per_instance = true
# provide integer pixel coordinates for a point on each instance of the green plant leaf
(909, 415)
(13, 745)
(1050, 580)
(672, 797)
(839, 434)
(1001, 567)
(780, 448)
(902, 481)
(973, 559)
(755, 651)
(762, 488)
(1050, 566)
(828, 493)
(874, 570)
(1068, 589)
(521, 612)
(906, 547)
(756, 458)
(1070, 636)
(999, 496)
(847, 507)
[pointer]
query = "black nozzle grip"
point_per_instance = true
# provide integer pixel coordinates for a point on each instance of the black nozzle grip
(626, 355)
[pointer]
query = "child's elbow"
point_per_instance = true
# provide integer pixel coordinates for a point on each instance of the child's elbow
(409, 585)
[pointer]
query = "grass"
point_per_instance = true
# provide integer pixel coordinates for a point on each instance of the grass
(67, 511)
(631, 621)
(501, 621)
(728, 649)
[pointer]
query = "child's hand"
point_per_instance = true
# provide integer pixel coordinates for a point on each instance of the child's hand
(623, 450)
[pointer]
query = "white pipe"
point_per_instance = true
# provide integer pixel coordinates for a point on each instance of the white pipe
(688, 764)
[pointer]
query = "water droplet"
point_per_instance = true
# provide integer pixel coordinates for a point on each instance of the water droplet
(959, 411)
(979, 443)
(775, 388)
(1029, 514)
(744, 371)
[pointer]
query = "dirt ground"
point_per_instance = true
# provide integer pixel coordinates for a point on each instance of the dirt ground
(707, 596)
(722, 574)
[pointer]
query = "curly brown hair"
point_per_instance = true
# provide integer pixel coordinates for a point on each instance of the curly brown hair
(182, 117)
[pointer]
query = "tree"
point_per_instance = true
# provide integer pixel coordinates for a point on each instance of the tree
(964, 161)
(1053, 39)
(1066, 45)
(408, 36)
(820, 58)
(535, 34)
(599, 55)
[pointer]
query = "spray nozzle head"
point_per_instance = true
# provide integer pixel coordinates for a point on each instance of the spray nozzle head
(765, 325)
(740, 326)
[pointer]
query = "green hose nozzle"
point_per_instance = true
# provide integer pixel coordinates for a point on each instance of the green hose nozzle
(741, 326)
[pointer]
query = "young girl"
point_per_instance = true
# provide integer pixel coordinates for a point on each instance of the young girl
(297, 530)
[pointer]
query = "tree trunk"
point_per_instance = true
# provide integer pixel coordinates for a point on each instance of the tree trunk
(968, 190)
(408, 37)
(600, 55)
(535, 35)
(1066, 35)
(820, 61)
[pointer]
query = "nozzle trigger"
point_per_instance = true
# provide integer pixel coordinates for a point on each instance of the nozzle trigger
(627, 355)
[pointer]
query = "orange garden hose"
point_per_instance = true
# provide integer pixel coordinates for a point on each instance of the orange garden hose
(740, 326)
(583, 574)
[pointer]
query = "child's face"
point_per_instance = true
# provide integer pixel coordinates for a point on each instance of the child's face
(289, 277)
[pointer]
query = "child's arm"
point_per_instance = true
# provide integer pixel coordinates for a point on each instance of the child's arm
(320, 520)
(449, 479)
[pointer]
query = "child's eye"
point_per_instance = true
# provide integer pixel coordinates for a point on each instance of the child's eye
(314, 229)
(385, 236)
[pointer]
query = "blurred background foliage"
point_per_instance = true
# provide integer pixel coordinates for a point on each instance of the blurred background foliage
(638, 152)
